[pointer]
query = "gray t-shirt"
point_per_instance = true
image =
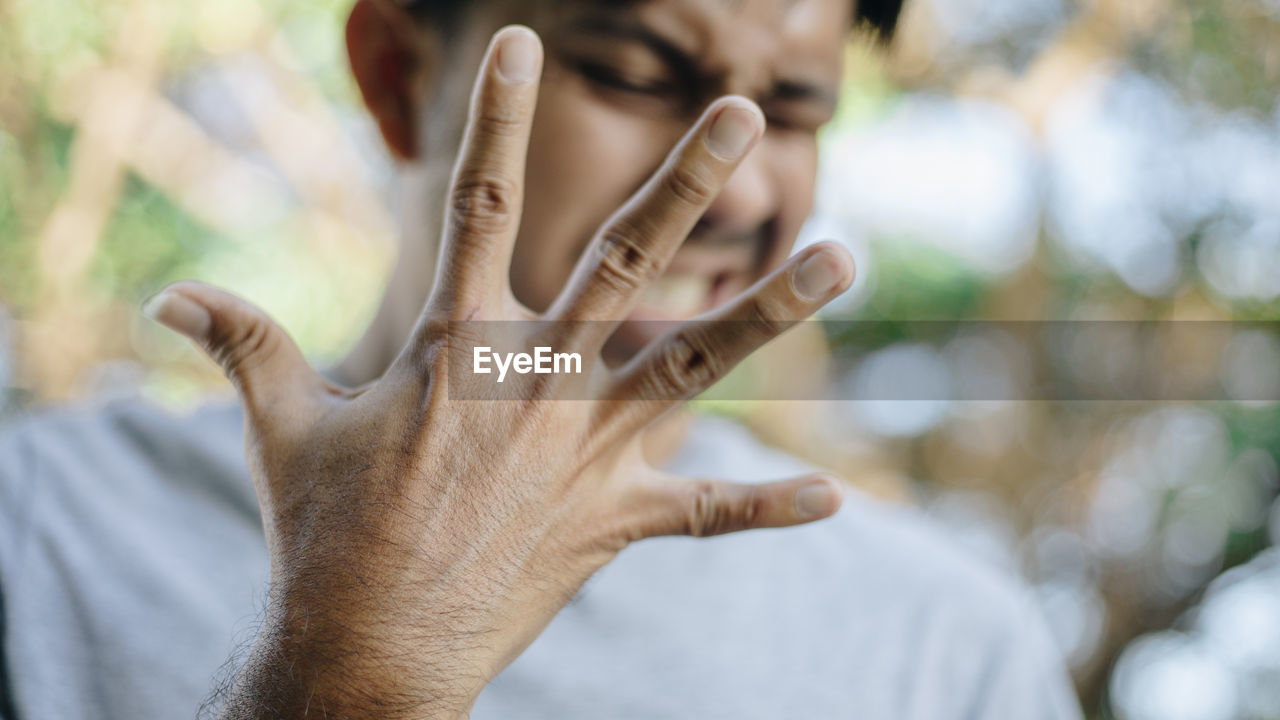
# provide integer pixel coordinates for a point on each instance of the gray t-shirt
(132, 565)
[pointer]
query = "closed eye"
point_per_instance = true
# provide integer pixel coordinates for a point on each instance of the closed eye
(612, 78)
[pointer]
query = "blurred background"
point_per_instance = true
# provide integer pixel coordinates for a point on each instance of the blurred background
(1010, 160)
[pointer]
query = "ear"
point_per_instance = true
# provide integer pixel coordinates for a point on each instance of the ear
(386, 52)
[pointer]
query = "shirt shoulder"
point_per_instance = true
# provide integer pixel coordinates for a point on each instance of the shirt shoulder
(116, 517)
(61, 440)
(122, 422)
(121, 458)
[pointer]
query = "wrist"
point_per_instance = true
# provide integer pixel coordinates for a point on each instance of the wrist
(310, 659)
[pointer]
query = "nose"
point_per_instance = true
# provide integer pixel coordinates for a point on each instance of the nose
(747, 201)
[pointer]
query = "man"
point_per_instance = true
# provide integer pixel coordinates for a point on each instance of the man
(429, 534)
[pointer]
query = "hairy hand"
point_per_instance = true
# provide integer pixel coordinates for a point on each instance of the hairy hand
(420, 540)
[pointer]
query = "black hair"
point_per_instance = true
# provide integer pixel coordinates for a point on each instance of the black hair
(881, 16)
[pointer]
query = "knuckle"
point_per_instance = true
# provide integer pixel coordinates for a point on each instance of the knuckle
(433, 328)
(442, 343)
(699, 362)
(706, 510)
(683, 368)
(752, 509)
(626, 262)
(484, 203)
(498, 121)
(765, 317)
(688, 185)
(241, 347)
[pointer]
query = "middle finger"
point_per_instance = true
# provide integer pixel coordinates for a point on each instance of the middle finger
(487, 191)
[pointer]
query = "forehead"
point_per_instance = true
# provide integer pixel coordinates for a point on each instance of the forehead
(805, 35)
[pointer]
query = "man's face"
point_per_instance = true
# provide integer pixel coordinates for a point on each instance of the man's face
(622, 83)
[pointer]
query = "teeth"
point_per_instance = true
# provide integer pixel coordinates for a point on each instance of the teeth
(680, 295)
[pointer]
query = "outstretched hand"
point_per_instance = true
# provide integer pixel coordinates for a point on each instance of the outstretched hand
(419, 540)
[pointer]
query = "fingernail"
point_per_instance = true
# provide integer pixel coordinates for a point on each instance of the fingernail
(518, 56)
(817, 500)
(818, 275)
(733, 131)
(178, 313)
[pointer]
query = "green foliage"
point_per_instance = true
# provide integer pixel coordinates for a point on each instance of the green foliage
(33, 173)
(149, 242)
(1216, 51)
(920, 282)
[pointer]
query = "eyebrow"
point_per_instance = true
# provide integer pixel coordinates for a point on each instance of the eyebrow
(679, 58)
(685, 61)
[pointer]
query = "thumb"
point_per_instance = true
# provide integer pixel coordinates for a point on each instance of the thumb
(259, 358)
(668, 505)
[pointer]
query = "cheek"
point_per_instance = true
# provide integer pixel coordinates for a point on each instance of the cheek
(585, 159)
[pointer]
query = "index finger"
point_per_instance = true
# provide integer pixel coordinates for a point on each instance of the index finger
(487, 191)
